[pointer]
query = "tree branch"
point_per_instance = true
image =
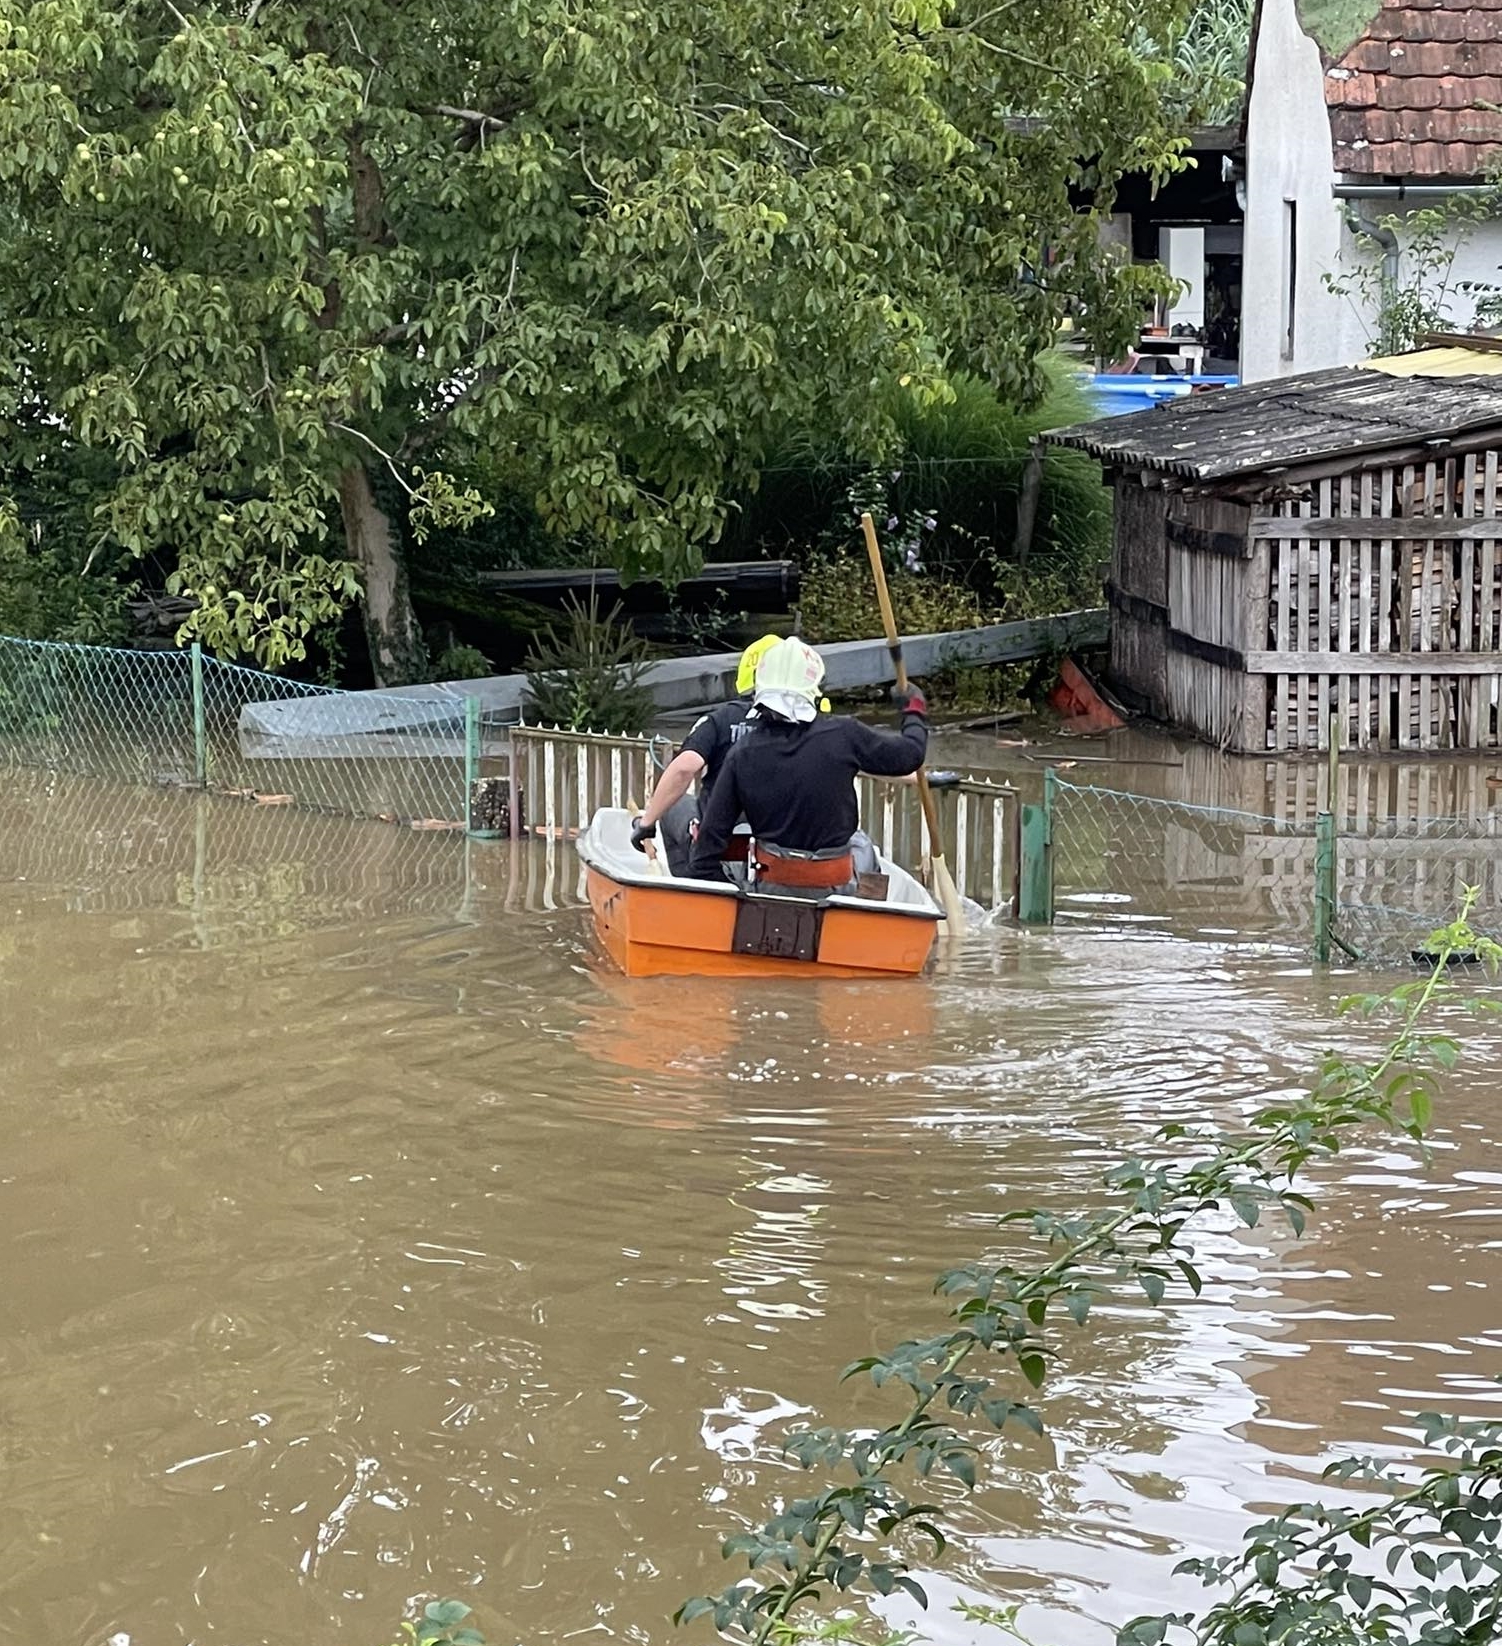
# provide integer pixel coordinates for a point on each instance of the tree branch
(380, 451)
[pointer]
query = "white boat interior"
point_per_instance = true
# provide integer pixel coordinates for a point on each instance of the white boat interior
(606, 846)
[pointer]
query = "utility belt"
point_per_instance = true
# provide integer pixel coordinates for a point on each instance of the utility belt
(737, 848)
(823, 871)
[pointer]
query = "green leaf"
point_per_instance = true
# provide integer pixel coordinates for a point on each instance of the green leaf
(1078, 1304)
(1033, 1368)
(447, 1614)
(962, 1466)
(1152, 1284)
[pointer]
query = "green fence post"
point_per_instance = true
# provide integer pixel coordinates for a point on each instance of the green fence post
(471, 759)
(200, 727)
(1324, 885)
(1035, 860)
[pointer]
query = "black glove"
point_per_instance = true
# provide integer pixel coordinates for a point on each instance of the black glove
(944, 780)
(642, 831)
(909, 699)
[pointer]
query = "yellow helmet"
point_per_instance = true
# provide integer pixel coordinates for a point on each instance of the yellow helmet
(745, 675)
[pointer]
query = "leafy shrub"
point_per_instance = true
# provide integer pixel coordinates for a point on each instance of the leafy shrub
(960, 464)
(585, 673)
(460, 662)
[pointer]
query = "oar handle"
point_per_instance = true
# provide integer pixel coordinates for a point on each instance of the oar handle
(949, 896)
(883, 597)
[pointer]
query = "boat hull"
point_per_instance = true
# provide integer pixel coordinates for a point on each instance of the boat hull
(673, 931)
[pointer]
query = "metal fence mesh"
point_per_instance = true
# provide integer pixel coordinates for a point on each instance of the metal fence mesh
(1128, 859)
(171, 717)
(1123, 860)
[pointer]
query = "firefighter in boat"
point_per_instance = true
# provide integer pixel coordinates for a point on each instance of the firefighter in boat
(791, 775)
(710, 739)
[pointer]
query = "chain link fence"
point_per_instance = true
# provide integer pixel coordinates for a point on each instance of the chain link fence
(1371, 890)
(178, 718)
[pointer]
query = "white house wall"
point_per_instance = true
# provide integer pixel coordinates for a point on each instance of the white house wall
(1289, 157)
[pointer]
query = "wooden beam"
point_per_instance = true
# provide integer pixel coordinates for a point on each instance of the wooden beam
(1477, 342)
(1384, 528)
(1203, 540)
(1207, 651)
(1395, 663)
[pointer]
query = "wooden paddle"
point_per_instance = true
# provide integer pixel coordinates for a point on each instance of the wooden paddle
(949, 897)
(658, 863)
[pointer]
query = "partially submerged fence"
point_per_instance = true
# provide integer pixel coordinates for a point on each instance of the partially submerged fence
(558, 780)
(1349, 883)
(1369, 876)
(180, 719)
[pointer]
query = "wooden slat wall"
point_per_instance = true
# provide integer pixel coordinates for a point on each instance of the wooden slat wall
(1207, 600)
(1403, 591)
(1139, 570)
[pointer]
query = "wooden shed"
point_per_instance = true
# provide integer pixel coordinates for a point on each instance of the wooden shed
(1314, 547)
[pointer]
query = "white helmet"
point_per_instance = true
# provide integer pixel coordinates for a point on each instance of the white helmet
(788, 679)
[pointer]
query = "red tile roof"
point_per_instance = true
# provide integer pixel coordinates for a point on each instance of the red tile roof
(1420, 93)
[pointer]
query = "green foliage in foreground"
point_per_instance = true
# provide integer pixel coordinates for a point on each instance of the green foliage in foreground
(1307, 1578)
(441, 1624)
(258, 255)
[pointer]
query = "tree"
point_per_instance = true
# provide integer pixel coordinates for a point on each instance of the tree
(605, 250)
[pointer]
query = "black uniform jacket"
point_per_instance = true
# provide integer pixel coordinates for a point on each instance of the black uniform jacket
(795, 784)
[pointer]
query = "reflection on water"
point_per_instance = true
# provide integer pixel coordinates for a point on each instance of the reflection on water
(361, 1238)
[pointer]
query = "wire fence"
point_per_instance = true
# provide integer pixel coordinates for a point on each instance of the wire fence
(429, 758)
(179, 718)
(1370, 879)
(1352, 885)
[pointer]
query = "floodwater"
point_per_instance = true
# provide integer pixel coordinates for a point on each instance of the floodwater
(362, 1240)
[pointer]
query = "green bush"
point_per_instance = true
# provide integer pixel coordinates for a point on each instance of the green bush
(948, 499)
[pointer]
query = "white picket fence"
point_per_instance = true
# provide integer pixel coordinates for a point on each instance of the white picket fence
(561, 778)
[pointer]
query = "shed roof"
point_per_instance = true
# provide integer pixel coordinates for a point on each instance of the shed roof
(1287, 422)
(1416, 94)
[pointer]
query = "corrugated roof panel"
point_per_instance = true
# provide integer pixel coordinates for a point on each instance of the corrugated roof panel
(1286, 422)
(1446, 362)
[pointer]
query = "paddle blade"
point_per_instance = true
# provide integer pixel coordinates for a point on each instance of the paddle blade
(948, 895)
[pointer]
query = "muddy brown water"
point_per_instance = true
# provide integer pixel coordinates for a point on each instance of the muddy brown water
(361, 1239)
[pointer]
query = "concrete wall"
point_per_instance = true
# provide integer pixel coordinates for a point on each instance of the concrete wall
(1290, 159)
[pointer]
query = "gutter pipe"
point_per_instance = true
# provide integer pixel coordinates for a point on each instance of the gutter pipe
(1411, 191)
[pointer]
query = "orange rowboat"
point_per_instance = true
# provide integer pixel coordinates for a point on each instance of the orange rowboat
(652, 925)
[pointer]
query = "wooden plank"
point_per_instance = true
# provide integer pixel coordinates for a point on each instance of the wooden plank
(1325, 610)
(1345, 562)
(1365, 641)
(1308, 563)
(1386, 590)
(1489, 557)
(1283, 551)
(1433, 665)
(1399, 530)
(1470, 695)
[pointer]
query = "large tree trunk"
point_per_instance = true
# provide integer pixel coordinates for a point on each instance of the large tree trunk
(398, 656)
